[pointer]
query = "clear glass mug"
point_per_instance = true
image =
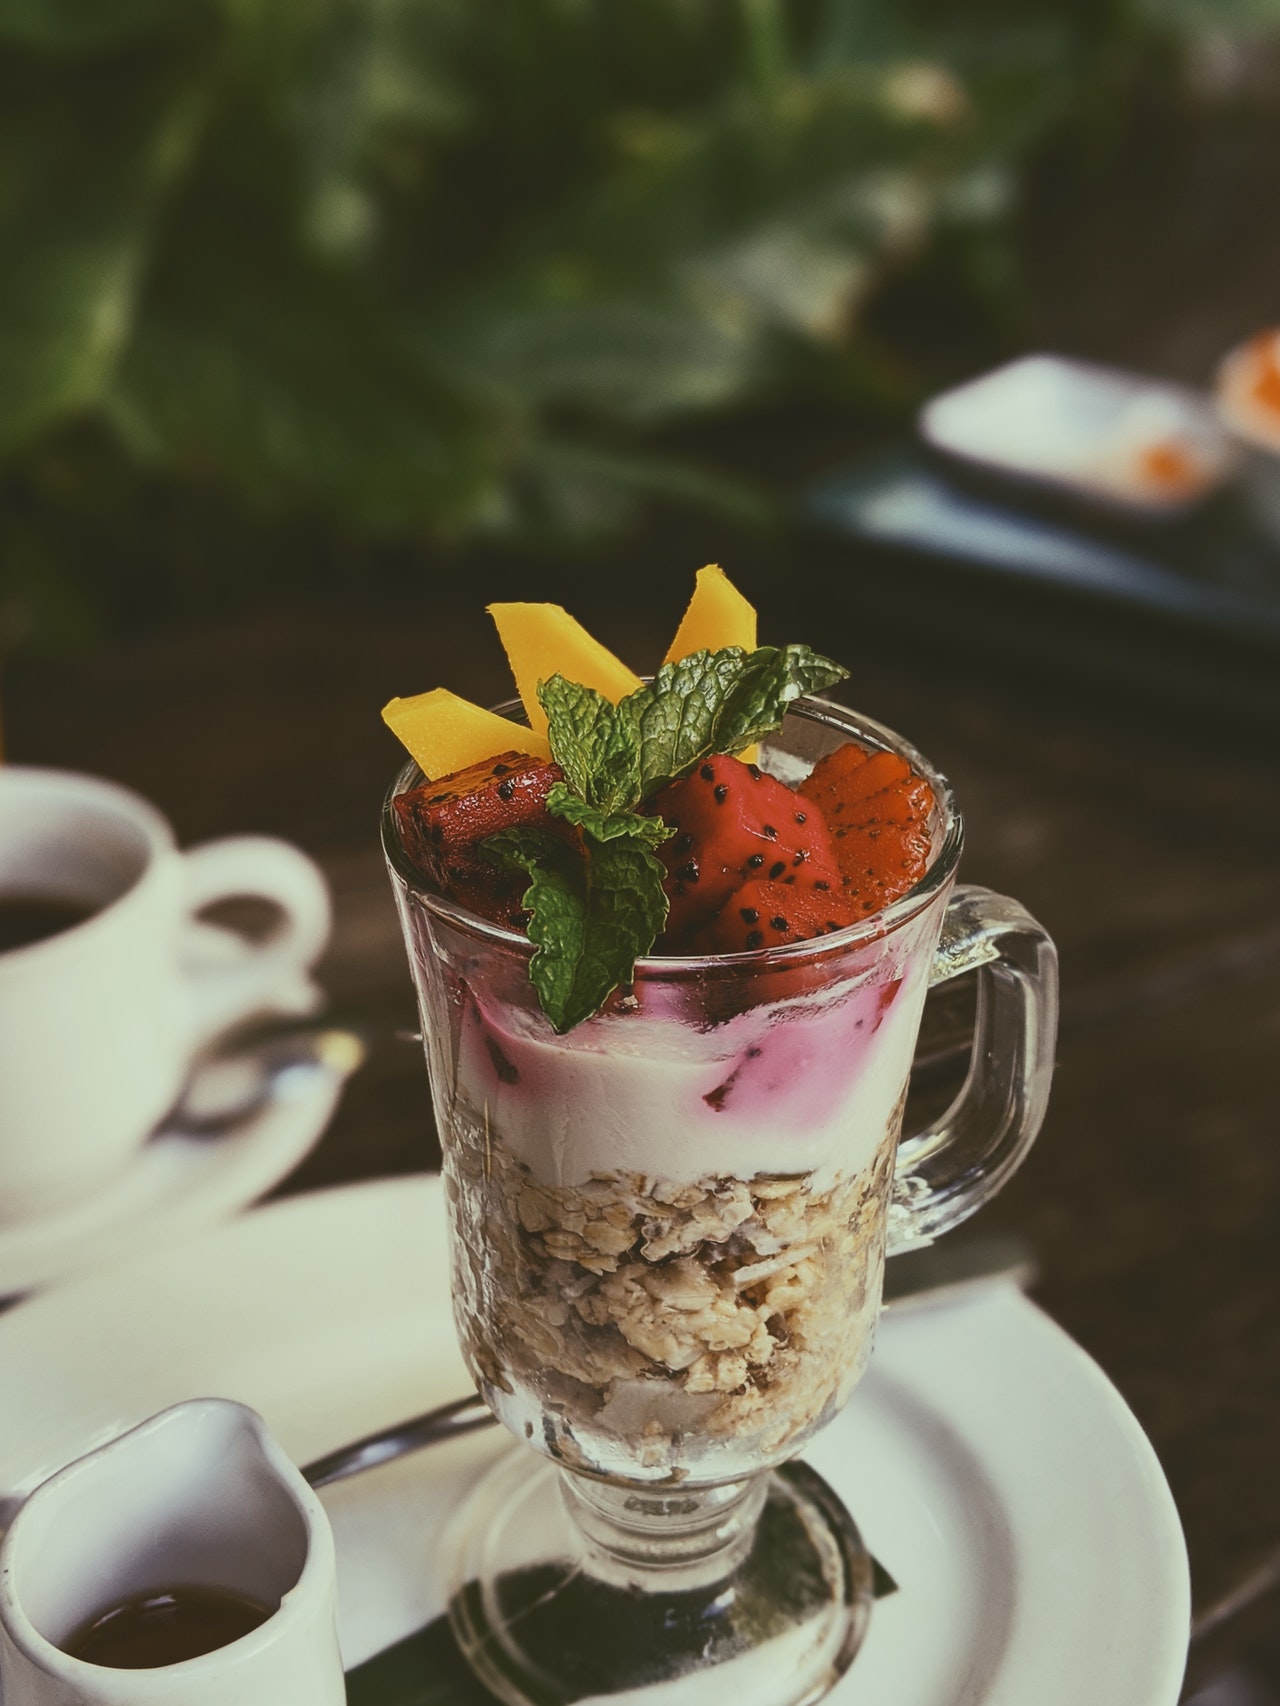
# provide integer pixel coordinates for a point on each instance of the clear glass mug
(668, 1238)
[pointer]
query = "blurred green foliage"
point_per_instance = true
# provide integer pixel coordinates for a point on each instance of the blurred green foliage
(441, 267)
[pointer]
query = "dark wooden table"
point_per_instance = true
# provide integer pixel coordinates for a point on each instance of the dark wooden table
(1142, 835)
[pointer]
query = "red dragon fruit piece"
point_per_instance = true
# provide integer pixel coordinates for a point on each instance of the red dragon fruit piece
(735, 824)
(768, 914)
(443, 822)
(878, 811)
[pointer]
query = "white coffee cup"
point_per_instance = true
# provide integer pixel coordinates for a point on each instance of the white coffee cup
(200, 1496)
(100, 1023)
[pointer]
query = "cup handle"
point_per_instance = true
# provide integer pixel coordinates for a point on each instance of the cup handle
(944, 1173)
(262, 868)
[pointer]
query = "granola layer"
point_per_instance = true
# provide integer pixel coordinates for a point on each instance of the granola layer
(661, 1322)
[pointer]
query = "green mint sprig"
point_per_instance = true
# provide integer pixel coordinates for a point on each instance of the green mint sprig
(603, 825)
(592, 917)
(593, 742)
(596, 912)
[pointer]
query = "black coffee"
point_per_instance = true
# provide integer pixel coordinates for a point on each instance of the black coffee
(164, 1628)
(28, 918)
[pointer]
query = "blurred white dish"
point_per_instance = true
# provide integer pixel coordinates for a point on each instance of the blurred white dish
(993, 1469)
(1112, 437)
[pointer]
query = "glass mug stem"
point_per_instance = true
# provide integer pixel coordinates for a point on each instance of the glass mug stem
(946, 1172)
(673, 1537)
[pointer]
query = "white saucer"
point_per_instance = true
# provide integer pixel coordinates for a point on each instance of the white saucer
(993, 1469)
(181, 1183)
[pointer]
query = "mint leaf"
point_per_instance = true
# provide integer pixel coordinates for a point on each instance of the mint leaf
(593, 742)
(771, 679)
(625, 908)
(718, 701)
(674, 716)
(605, 826)
(592, 918)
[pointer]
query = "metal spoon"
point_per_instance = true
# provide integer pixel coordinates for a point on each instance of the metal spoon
(446, 1421)
(231, 1088)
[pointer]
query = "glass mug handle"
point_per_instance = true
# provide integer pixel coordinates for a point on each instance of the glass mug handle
(944, 1173)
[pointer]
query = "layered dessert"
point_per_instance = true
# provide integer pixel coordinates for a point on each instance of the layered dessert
(668, 1055)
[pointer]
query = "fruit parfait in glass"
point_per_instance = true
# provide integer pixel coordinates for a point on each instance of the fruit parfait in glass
(671, 943)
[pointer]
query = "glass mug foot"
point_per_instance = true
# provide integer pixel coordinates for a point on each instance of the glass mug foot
(566, 1589)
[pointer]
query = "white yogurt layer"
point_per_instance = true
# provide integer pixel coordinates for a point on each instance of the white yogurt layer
(796, 1087)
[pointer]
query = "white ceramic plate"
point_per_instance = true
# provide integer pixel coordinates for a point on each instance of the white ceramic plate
(993, 1469)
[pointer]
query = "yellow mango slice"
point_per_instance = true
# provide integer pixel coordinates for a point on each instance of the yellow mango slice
(542, 640)
(718, 616)
(445, 733)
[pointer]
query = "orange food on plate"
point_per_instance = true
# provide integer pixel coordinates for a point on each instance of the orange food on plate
(1170, 466)
(1263, 355)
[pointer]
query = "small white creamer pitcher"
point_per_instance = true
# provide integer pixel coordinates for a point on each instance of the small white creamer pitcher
(198, 1497)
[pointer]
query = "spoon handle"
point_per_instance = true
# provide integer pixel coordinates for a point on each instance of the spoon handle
(447, 1421)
